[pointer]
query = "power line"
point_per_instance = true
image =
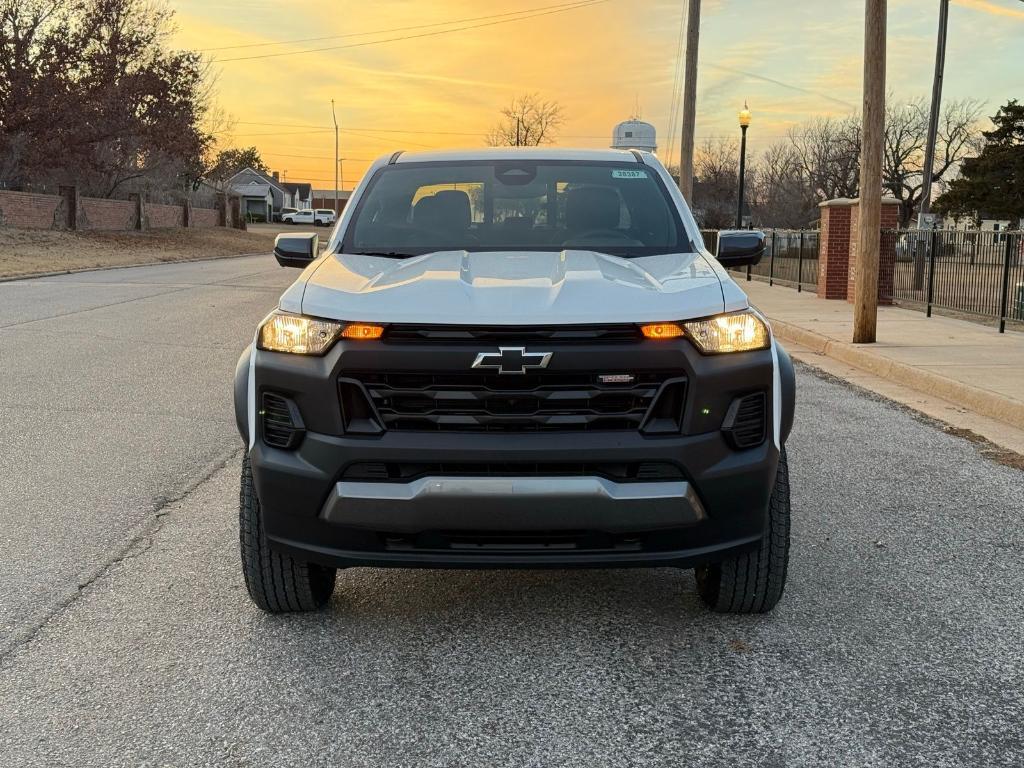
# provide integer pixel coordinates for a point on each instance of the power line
(319, 157)
(677, 76)
(584, 4)
(393, 29)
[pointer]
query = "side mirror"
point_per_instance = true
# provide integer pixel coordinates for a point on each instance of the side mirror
(296, 250)
(740, 247)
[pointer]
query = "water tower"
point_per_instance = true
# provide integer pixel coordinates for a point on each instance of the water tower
(634, 134)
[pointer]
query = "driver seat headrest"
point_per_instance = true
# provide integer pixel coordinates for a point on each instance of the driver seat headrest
(447, 210)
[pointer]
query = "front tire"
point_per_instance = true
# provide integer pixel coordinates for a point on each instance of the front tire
(753, 581)
(277, 583)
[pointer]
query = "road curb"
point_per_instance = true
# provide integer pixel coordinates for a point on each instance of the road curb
(964, 395)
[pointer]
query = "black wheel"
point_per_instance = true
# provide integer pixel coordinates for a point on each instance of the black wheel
(277, 583)
(753, 582)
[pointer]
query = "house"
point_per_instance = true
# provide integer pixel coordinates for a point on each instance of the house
(300, 195)
(980, 222)
(257, 200)
(286, 194)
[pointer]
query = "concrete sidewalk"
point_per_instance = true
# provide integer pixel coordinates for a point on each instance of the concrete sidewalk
(968, 364)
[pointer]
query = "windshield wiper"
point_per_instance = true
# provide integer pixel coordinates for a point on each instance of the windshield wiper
(388, 254)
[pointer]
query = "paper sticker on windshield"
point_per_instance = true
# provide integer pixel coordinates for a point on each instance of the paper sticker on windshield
(619, 173)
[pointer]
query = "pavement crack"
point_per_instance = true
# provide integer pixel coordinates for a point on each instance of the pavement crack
(137, 544)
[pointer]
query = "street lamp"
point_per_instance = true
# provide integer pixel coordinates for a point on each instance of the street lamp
(744, 124)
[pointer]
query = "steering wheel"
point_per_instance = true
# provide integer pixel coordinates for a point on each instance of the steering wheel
(602, 237)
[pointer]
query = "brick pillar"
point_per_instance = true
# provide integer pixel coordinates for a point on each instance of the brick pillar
(887, 250)
(140, 210)
(72, 203)
(834, 248)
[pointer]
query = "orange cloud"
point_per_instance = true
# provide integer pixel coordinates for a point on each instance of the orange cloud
(988, 7)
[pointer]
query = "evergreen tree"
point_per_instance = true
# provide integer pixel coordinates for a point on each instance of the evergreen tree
(991, 185)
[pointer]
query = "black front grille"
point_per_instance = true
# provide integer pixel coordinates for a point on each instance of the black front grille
(282, 425)
(448, 334)
(634, 471)
(482, 402)
(746, 421)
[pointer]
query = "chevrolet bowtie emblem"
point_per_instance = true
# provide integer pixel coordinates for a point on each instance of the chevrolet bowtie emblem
(512, 360)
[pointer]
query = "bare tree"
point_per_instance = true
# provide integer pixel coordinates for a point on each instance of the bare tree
(906, 130)
(827, 153)
(716, 183)
(528, 121)
(779, 196)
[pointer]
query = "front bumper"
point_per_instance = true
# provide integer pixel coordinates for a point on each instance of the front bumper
(509, 521)
(715, 507)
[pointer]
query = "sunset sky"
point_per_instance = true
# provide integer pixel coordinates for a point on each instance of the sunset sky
(790, 60)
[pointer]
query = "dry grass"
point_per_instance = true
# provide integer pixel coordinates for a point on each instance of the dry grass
(26, 252)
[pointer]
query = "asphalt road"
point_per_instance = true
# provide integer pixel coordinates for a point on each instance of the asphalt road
(898, 642)
(115, 396)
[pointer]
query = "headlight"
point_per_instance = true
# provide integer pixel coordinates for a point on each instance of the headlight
(739, 332)
(297, 334)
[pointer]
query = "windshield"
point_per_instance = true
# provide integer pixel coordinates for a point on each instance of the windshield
(618, 208)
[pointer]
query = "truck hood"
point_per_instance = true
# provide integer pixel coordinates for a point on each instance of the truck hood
(510, 288)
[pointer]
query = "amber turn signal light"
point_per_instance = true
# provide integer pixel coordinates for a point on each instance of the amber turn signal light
(362, 331)
(661, 331)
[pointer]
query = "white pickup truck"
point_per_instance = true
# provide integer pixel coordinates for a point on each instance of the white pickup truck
(515, 358)
(321, 217)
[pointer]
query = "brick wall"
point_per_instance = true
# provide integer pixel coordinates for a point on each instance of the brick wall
(165, 216)
(98, 213)
(30, 211)
(834, 249)
(204, 217)
(886, 255)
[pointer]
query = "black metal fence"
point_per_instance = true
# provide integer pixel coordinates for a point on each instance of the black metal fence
(975, 274)
(970, 273)
(791, 258)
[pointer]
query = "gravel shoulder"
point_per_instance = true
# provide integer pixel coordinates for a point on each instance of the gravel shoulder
(897, 643)
(25, 252)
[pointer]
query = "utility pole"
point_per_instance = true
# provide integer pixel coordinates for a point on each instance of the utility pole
(933, 117)
(869, 226)
(336, 160)
(689, 101)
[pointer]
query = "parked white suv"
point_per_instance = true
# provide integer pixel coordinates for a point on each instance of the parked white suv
(325, 215)
(515, 358)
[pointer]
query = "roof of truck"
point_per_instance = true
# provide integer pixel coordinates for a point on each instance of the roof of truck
(519, 153)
